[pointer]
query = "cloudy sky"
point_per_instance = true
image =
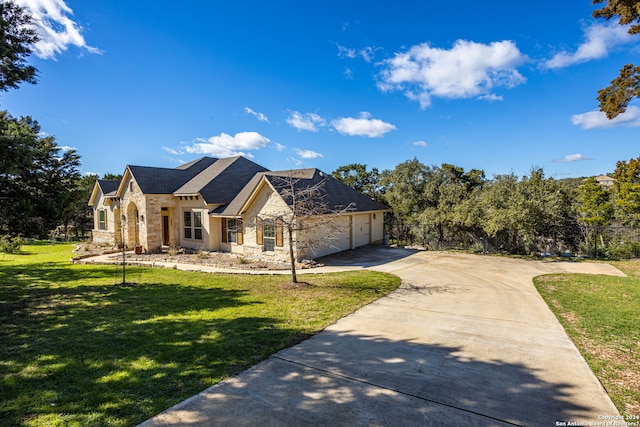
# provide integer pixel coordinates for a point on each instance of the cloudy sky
(502, 86)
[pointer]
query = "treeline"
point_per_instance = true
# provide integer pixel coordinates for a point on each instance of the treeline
(447, 207)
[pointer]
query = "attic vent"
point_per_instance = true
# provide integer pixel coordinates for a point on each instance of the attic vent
(321, 173)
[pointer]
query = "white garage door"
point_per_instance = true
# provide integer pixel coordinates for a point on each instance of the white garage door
(361, 230)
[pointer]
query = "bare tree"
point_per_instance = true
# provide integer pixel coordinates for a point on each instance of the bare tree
(310, 220)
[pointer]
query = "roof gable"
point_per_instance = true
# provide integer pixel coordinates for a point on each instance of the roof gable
(153, 180)
(336, 195)
(221, 182)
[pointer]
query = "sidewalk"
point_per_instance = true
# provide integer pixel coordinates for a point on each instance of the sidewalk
(116, 258)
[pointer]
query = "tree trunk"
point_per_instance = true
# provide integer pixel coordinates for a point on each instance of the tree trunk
(292, 258)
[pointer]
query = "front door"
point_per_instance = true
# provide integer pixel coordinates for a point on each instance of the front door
(165, 230)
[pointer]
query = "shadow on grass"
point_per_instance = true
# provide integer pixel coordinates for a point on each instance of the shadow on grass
(352, 379)
(115, 355)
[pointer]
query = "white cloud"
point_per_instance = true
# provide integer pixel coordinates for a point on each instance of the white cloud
(572, 158)
(364, 125)
(173, 151)
(467, 70)
(308, 121)
(278, 146)
(597, 119)
(367, 53)
(225, 145)
(346, 52)
(307, 154)
(348, 73)
(419, 143)
(600, 38)
(56, 29)
(256, 114)
(66, 148)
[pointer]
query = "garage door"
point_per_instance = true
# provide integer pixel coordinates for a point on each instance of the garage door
(361, 230)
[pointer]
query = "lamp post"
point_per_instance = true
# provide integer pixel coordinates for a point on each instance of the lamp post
(123, 218)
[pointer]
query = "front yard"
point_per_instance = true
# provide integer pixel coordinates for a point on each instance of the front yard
(77, 348)
(601, 314)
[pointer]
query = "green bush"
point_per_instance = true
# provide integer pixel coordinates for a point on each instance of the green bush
(10, 245)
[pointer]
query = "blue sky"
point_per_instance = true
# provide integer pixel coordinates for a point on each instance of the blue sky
(501, 86)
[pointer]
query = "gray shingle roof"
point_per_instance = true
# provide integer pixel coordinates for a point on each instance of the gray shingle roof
(229, 182)
(154, 180)
(221, 182)
(108, 186)
(337, 195)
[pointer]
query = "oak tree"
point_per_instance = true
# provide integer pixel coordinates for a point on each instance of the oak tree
(615, 98)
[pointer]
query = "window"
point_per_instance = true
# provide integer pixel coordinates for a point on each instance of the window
(102, 220)
(268, 235)
(232, 231)
(187, 225)
(193, 225)
(197, 225)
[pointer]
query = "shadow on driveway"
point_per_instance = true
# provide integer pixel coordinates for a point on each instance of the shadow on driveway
(351, 379)
(367, 256)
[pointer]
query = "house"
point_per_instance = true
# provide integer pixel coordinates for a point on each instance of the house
(230, 205)
(605, 181)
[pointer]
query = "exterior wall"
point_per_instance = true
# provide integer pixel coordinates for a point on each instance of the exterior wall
(112, 234)
(377, 228)
(193, 206)
(135, 213)
(267, 205)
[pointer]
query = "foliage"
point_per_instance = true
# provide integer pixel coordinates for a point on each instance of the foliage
(17, 37)
(356, 176)
(627, 184)
(615, 98)
(37, 181)
(10, 245)
(77, 349)
(600, 314)
(595, 204)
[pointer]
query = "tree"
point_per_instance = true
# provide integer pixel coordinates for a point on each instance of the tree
(356, 176)
(615, 98)
(17, 38)
(446, 188)
(36, 180)
(309, 221)
(595, 204)
(627, 186)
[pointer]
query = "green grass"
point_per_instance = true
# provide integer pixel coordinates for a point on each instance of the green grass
(77, 349)
(601, 314)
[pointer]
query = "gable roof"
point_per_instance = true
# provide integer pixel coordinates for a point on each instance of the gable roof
(108, 187)
(221, 182)
(337, 195)
(153, 180)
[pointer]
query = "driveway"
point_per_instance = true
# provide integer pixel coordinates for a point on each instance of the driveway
(466, 340)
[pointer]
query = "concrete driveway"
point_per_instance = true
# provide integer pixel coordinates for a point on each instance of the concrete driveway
(466, 340)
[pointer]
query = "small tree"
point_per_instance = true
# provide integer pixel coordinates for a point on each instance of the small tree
(310, 221)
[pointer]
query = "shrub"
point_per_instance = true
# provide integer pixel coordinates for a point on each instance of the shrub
(10, 245)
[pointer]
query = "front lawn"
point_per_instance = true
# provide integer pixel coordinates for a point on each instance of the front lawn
(601, 314)
(78, 349)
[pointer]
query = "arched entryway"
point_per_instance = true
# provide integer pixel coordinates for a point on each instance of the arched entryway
(133, 225)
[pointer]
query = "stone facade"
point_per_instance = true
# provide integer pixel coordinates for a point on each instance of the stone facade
(185, 219)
